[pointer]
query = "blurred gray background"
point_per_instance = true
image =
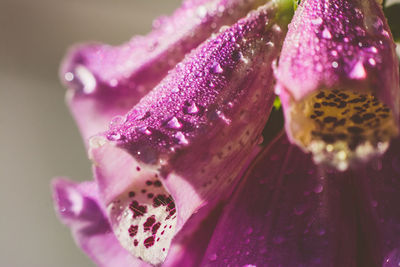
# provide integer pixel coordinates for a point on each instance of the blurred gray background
(38, 138)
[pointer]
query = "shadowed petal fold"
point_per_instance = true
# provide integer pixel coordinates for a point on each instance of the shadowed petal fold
(79, 207)
(339, 81)
(184, 144)
(300, 214)
(105, 81)
(286, 213)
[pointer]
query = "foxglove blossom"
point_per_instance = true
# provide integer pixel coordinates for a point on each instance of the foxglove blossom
(106, 81)
(338, 81)
(173, 120)
(180, 150)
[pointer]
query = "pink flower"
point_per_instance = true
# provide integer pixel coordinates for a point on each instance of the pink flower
(173, 124)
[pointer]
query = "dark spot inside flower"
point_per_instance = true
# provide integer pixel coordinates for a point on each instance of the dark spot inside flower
(157, 183)
(149, 223)
(155, 228)
(135, 243)
(148, 242)
(355, 129)
(138, 168)
(133, 230)
(329, 119)
(149, 182)
(144, 191)
(318, 113)
(368, 116)
(356, 119)
(131, 194)
(150, 195)
(138, 210)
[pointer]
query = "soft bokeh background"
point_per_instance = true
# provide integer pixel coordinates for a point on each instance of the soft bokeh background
(38, 138)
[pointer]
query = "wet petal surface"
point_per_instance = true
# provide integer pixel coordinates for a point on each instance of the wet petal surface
(194, 133)
(303, 215)
(106, 81)
(345, 47)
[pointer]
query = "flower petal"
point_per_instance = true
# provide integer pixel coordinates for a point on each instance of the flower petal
(285, 213)
(78, 207)
(379, 194)
(339, 81)
(184, 144)
(299, 214)
(106, 81)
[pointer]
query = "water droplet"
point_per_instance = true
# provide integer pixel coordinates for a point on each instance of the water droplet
(192, 109)
(372, 61)
(114, 83)
(393, 259)
(326, 34)
(318, 188)
(299, 209)
(358, 72)
(174, 123)
(114, 136)
(316, 21)
(216, 68)
(181, 138)
(223, 117)
(335, 64)
(213, 257)
(69, 76)
(145, 130)
(276, 28)
(373, 49)
(117, 120)
(201, 11)
(86, 78)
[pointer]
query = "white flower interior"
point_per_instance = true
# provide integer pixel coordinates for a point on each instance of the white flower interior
(342, 127)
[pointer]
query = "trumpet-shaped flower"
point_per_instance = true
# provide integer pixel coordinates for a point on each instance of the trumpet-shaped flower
(173, 123)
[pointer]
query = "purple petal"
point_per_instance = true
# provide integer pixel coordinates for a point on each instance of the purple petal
(298, 214)
(78, 207)
(106, 81)
(380, 195)
(185, 143)
(339, 81)
(285, 214)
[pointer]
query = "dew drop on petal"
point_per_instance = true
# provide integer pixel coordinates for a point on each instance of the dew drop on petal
(318, 188)
(213, 257)
(86, 78)
(216, 68)
(193, 109)
(326, 34)
(358, 72)
(174, 123)
(117, 120)
(372, 61)
(316, 21)
(181, 138)
(69, 76)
